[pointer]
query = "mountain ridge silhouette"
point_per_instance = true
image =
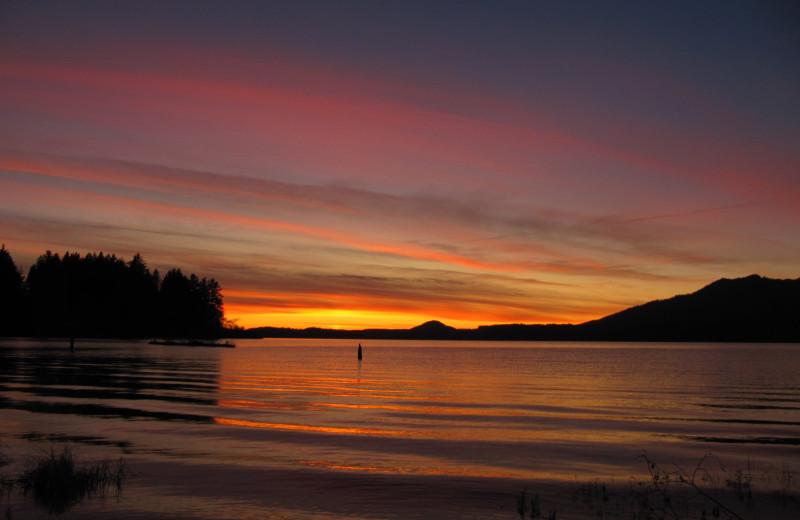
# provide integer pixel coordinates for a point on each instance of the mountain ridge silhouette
(749, 309)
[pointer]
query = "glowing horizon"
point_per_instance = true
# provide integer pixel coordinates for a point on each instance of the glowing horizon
(548, 168)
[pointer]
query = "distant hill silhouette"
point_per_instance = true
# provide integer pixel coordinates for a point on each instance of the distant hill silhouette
(751, 309)
(433, 330)
(743, 309)
(426, 331)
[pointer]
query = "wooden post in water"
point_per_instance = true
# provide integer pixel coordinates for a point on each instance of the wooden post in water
(359, 352)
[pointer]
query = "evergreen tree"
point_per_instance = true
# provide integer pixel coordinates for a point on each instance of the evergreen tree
(141, 288)
(11, 295)
(189, 306)
(47, 286)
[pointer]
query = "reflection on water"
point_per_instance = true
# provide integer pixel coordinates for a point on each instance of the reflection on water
(303, 427)
(106, 380)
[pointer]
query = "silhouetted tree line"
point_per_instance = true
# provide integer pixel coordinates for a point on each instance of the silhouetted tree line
(100, 295)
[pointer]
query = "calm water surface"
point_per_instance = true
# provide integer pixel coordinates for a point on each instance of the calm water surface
(302, 429)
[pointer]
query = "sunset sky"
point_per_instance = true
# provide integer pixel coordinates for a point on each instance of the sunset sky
(378, 164)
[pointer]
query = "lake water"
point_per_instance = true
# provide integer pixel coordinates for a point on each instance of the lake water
(302, 429)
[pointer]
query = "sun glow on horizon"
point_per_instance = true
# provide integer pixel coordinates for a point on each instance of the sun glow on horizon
(354, 318)
(337, 319)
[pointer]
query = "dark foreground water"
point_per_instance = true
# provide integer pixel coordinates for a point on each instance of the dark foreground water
(302, 429)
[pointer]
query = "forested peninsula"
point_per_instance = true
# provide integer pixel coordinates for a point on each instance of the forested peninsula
(102, 295)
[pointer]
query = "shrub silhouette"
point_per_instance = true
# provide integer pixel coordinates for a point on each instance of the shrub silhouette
(57, 481)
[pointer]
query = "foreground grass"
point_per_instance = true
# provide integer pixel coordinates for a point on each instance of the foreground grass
(708, 491)
(58, 481)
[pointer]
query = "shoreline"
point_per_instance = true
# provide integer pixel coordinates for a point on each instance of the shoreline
(161, 489)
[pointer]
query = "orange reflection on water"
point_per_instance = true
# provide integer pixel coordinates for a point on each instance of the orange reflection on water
(432, 410)
(462, 471)
(318, 429)
(315, 386)
(260, 405)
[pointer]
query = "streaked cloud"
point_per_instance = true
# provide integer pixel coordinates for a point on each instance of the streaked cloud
(532, 178)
